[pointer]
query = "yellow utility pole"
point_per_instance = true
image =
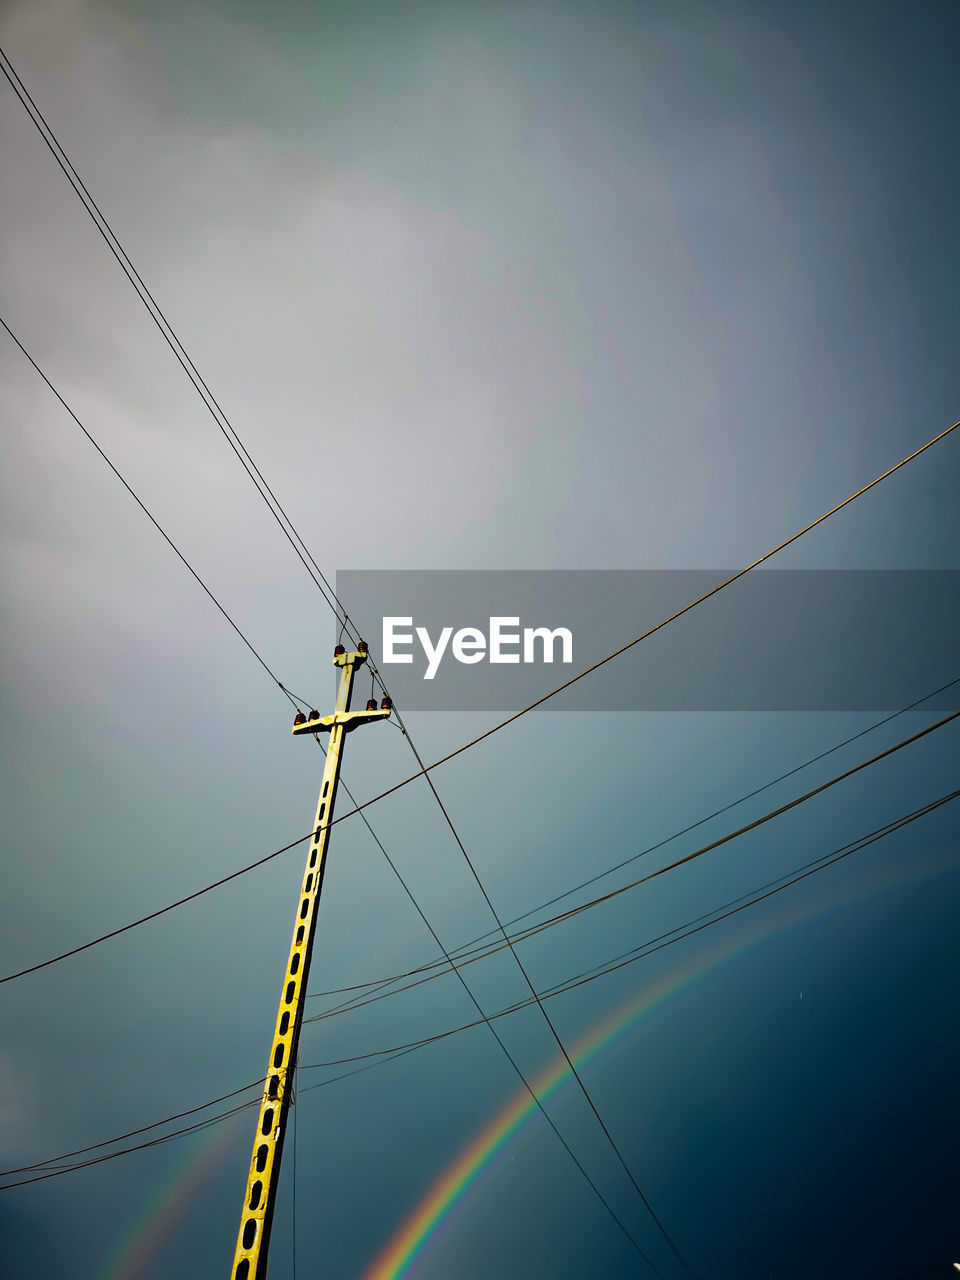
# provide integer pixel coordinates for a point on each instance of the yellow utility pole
(253, 1240)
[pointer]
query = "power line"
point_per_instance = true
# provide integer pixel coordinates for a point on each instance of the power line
(564, 915)
(466, 948)
(276, 853)
(645, 949)
(210, 402)
(381, 1056)
(166, 330)
(425, 772)
(140, 1146)
(245, 459)
(260, 862)
(733, 835)
(229, 433)
(267, 493)
(132, 1133)
(484, 1019)
(697, 853)
(53, 1161)
(809, 869)
(286, 526)
(532, 706)
(750, 826)
(150, 516)
(553, 1030)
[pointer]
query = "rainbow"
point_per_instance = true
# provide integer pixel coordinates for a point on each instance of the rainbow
(128, 1258)
(409, 1243)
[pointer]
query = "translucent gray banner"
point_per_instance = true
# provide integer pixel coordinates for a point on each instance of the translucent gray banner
(775, 640)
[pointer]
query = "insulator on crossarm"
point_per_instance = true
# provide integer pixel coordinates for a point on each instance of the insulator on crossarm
(386, 703)
(361, 646)
(299, 718)
(339, 650)
(314, 715)
(371, 704)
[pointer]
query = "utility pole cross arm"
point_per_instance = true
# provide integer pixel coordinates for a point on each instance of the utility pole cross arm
(348, 719)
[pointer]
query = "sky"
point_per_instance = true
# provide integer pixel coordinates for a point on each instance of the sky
(480, 286)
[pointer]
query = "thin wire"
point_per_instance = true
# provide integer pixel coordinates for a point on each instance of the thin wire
(532, 930)
(150, 516)
(575, 911)
(510, 1058)
(425, 769)
(140, 1146)
(509, 943)
(502, 724)
(133, 1133)
(200, 385)
(166, 330)
(674, 1249)
(211, 403)
(550, 1024)
(153, 915)
(645, 949)
(464, 948)
(283, 520)
(297, 702)
(855, 846)
(180, 902)
(383, 1056)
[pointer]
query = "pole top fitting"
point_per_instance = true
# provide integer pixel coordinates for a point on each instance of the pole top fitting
(341, 658)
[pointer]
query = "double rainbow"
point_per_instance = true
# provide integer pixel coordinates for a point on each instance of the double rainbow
(410, 1242)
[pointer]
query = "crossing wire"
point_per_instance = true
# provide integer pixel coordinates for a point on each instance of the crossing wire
(645, 635)
(437, 968)
(276, 853)
(382, 1056)
(468, 948)
(755, 896)
(679, 862)
(678, 934)
(246, 461)
(107, 233)
(160, 320)
(283, 521)
(425, 771)
(197, 893)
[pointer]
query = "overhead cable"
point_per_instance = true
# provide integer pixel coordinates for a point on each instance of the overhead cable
(470, 947)
(640, 952)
